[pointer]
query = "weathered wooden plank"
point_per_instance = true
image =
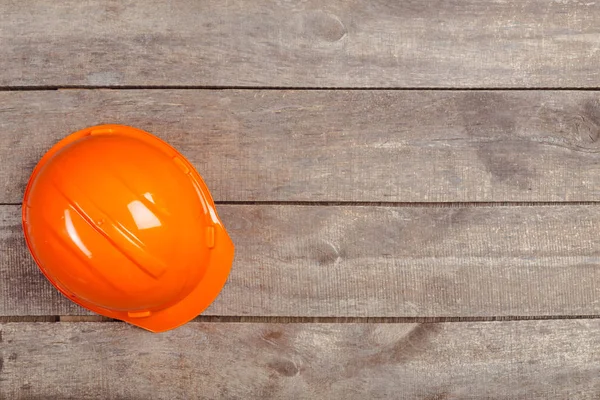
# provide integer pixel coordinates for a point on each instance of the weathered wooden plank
(501, 360)
(387, 43)
(376, 262)
(406, 146)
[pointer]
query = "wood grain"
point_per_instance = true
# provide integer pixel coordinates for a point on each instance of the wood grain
(324, 261)
(384, 43)
(500, 360)
(380, 146)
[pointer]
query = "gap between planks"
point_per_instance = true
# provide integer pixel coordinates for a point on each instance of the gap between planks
(295, 88)
(304, 320)
(396, 204)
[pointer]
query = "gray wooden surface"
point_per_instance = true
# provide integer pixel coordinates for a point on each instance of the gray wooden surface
(376, 146)
(376, 169)
(500, 360)
(383, 43)
(353, 261)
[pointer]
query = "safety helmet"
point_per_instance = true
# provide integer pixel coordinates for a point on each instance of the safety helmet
(123, 225)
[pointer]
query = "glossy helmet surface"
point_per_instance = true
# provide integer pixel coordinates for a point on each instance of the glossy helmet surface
(122, 224)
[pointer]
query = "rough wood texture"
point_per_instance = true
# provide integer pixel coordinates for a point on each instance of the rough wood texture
(500, 360)
(311, 263)
(406, 146)
(384, 43)
(376, 262)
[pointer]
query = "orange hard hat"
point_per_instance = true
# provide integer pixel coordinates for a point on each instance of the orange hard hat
(123, 225)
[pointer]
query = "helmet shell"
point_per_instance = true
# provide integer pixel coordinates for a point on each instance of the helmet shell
(122, 224)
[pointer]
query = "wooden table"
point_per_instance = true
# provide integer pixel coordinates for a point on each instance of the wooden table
(412, 187)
